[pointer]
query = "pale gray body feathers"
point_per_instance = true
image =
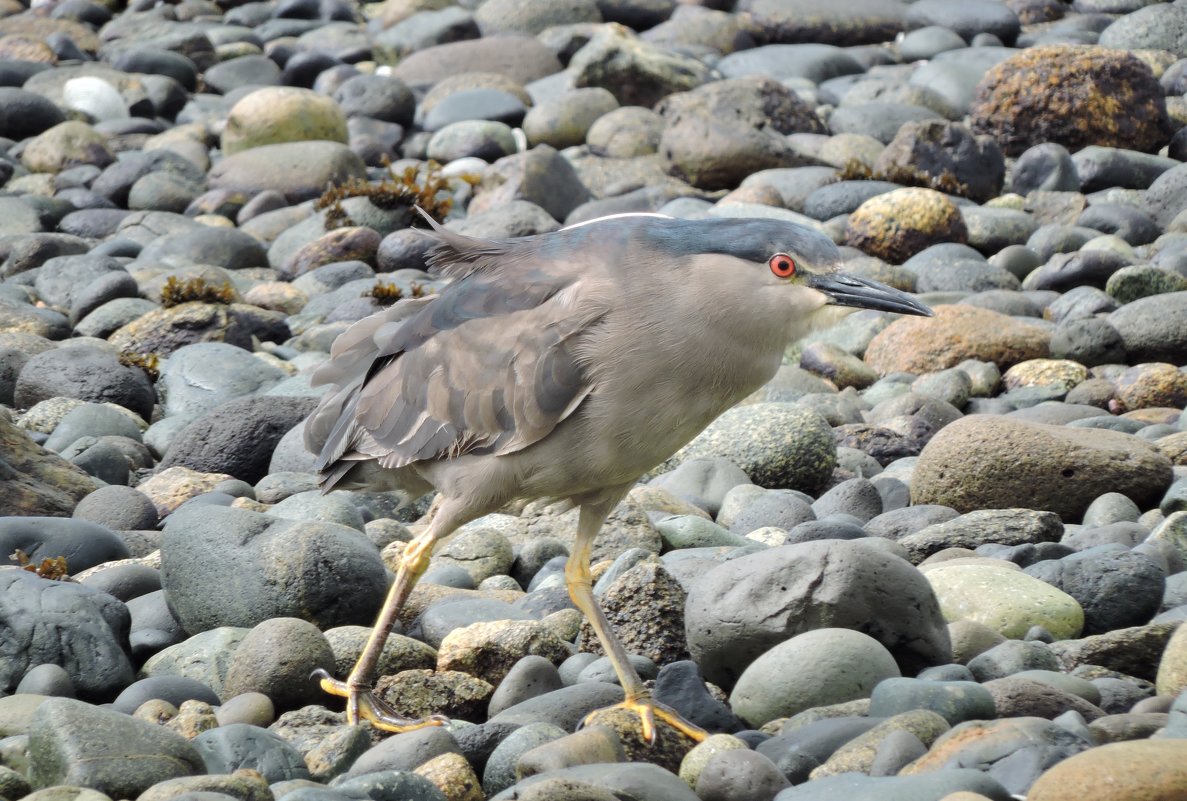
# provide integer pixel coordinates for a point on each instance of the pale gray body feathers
(537, 375)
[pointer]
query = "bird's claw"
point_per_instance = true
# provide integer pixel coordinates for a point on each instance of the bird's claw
(648, 712)
(363, 704)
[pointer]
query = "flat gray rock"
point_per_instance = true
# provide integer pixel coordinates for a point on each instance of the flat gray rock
(74, 743)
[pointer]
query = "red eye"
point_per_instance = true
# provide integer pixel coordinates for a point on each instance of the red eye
(782, 265)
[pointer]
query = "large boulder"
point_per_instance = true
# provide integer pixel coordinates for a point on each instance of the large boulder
(74, 743)
(60, 623)
(264, 567)
(1075, 96)
(996, 462)
(744, 607)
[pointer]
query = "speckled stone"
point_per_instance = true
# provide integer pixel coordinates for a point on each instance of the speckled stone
(1141, 769)
(897, 225)
(489, 650)
(1008, 601)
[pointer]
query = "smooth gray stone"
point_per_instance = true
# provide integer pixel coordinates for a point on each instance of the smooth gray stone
(389, 785)
(174, 689)
(405, 751)
(74, 743)
(81, 543)
(743, 607)
(565, 707)
(925, 787)
(339, 578)
(241, 745)
(955, 701)
(625, 779)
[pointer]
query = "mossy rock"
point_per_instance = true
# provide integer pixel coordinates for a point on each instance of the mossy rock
(1073, 95)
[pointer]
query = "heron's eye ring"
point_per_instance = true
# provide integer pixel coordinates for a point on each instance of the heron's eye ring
(782, 265)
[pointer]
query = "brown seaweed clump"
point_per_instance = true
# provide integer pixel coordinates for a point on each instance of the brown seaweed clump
(410, 187)
(386, 293)
(176, 292)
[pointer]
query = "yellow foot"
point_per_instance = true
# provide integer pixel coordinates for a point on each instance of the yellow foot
(650, 711)
(362, 704)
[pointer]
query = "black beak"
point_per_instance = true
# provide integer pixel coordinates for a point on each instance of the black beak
(844, 289)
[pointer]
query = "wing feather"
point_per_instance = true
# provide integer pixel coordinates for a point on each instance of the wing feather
(489, 365)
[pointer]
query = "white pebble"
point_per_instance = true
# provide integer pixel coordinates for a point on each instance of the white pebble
(95, 97)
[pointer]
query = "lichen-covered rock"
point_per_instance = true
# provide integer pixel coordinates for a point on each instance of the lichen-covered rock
(645, 606)
(163, 331)
(1006, 600)
(896, 225)
(1072, 95)
(488, 650)
(1044, 373)
(1142, 281)
(422, 693)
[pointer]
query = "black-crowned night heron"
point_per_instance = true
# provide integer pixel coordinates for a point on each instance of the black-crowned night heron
(564, 366)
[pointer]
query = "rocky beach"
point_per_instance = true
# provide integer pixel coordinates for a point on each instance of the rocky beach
(934, 559)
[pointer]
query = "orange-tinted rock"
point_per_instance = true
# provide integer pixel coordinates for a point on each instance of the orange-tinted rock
(1147, 385)
(171, 488)
(37, 28)
(1139, 770)
(926, 344)
(980, 742)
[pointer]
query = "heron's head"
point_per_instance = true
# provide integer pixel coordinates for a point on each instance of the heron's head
(808, 264)
(775, 253)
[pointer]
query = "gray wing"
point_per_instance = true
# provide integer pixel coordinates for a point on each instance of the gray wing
(490, 365)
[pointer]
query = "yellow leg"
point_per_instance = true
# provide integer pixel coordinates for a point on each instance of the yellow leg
(577, 577)
(361, 702)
